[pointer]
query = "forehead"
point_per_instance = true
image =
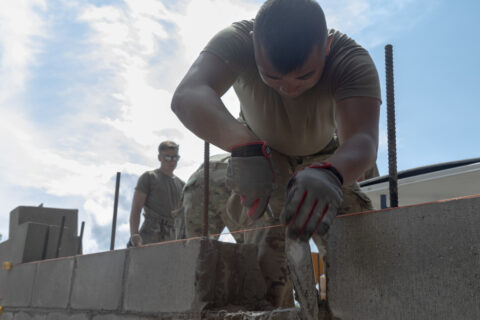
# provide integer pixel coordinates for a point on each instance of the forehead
(314, 61)
(169, 152)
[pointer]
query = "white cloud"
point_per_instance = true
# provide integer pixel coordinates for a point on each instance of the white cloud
(20, 24)
(140, 50)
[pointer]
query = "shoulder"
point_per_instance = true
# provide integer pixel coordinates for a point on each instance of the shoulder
(233, 45)
(350, 69)
(343, 48)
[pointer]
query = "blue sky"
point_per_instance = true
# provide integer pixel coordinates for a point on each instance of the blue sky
(85, 88)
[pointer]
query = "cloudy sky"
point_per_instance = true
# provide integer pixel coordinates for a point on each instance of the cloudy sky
(85, 90)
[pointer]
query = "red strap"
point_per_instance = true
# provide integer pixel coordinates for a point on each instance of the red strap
(308, 218)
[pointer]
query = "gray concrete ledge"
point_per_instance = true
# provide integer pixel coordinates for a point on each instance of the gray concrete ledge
(416, 262)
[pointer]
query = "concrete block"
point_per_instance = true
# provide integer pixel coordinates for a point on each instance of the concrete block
(66, 316)
(161, 278)
(42, 215)
(30, 316)
(98, 282)
(68, 245)
(16, 285)
(28, 242)
(278, 314)
(238, 278)
(417, 262)
(52, 283)
(7, 316)
(32, 239)
(123, 317)
(5, 251)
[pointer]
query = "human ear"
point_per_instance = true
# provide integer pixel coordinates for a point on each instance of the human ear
(329, 43)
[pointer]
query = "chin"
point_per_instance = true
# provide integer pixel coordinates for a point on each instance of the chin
(292, 95)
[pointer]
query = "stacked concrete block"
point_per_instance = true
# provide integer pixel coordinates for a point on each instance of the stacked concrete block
(34, 233)
(416, 262)
(43, 215)
(169, 281)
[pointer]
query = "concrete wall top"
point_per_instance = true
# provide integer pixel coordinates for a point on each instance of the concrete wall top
(49, 216)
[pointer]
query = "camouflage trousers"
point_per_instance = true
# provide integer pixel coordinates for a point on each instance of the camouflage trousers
(157, 229)
(270, 241)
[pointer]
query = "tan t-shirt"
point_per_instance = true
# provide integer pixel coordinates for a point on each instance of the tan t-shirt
(304, 125)
(163, 192)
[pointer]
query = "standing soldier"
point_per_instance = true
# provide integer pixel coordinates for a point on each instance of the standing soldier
(158, 192)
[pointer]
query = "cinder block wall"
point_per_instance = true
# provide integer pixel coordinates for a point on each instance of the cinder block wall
(171, 281)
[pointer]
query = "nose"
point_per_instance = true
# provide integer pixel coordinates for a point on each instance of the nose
(288, 90)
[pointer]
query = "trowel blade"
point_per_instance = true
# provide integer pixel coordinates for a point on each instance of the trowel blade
(299, 261)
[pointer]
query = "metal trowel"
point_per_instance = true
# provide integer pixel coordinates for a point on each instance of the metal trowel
(299, 261)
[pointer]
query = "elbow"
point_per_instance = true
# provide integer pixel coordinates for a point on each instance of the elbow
(177, 105)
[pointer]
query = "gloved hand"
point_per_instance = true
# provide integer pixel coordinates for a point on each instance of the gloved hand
(250, 174)
(313, 197)
(136, 240)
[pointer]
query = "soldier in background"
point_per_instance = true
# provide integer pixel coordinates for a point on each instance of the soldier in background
(158, 192)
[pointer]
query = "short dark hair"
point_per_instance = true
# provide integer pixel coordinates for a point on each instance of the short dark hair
(288, 30)
(167, 145)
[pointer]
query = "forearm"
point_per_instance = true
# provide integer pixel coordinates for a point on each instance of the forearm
(202, 111)
(134, 219)
(355, 156)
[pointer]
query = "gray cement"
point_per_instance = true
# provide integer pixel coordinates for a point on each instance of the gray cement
(418, 262)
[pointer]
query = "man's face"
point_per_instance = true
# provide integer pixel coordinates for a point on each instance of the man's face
(169, 159)
(295, 83)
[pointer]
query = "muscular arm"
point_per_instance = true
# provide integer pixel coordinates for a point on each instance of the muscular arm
(137, 204)
(197, 103)
(357, 128)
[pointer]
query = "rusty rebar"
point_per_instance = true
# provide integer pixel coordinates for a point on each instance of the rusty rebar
(60, 235)
(206, 179)
(115, 208)
(80, 239)
(392, 144)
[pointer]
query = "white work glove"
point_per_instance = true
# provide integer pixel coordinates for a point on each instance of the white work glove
(313, 197)
(250, 174)
(136, 240)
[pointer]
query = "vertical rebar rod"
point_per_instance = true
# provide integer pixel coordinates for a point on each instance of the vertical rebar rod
(45, 243)
(80, 239)
(206, 179)
(392, 144)
(60, 235)
(115, 207)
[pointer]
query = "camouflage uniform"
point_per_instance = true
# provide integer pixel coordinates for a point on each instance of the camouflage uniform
(271, 241)
(163, 194)
(189, 218)
(156, 228)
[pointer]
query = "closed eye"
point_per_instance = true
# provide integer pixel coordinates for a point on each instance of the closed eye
(271, 77)
(306, 76)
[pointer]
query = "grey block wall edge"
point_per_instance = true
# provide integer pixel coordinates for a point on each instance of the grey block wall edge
(418, 262)
(98, 281)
